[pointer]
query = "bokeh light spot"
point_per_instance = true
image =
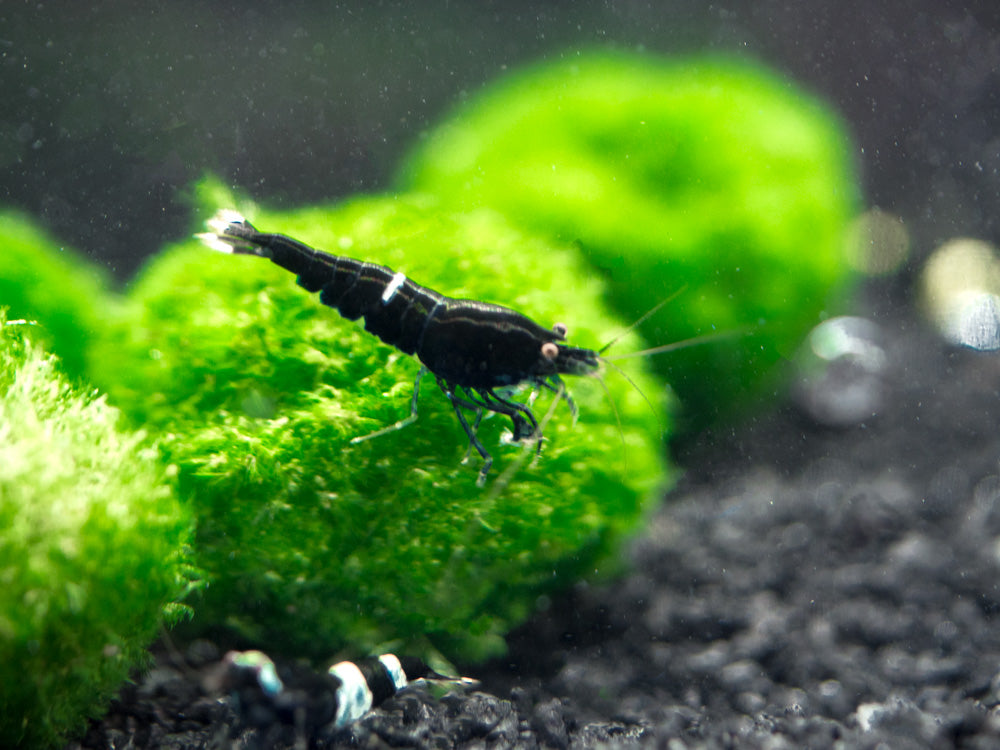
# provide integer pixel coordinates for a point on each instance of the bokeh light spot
(961, 293)
(877, 243)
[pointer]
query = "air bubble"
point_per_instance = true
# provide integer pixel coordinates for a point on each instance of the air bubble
(842, 372)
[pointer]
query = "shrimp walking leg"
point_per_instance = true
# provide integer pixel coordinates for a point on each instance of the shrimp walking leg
(401, 423)
(458, 403)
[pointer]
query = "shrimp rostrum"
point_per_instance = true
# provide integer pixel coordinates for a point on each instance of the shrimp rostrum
(475, 350)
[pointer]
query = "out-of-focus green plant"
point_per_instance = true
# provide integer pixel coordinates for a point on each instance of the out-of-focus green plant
(52, 286)
(713, 179)
(91, 544)
(311, 544)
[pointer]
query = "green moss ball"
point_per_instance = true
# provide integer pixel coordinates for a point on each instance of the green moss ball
(53, 286)
(715, 181)
(312, 544)
(90, 549)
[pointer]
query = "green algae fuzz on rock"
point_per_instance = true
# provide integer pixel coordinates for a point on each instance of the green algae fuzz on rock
(715, 180)
(312, 544)
(90, 549)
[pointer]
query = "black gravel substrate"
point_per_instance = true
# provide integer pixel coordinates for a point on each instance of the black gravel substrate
(802, 587)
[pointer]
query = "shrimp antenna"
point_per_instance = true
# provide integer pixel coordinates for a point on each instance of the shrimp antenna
(632, 383)
(704, 338)
(646, 316)
(614, 410)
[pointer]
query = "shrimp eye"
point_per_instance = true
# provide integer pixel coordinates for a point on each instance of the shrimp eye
(560, 330)
(549, 350)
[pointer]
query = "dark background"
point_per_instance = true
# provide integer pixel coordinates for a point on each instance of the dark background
(111, 110)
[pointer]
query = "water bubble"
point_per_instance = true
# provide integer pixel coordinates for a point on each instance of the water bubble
(842, 371)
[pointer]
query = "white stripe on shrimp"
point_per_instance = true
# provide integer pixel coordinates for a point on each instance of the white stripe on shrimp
(395, 670)
(354, 697)
(392, 287)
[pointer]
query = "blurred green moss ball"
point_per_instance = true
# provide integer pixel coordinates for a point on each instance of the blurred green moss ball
(311, 544)
(714, 180)
(91, 544)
